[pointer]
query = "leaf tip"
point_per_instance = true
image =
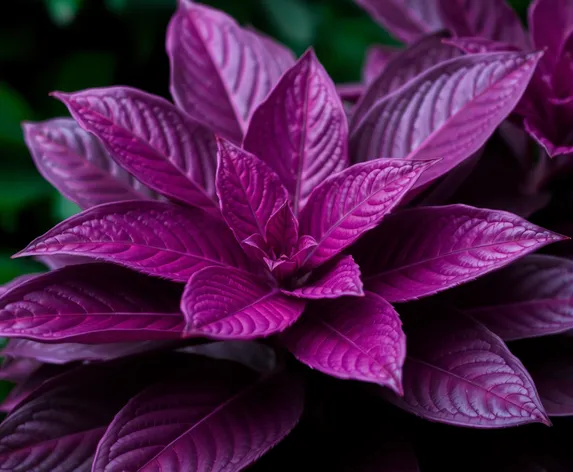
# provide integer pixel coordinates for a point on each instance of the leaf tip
(61, 96)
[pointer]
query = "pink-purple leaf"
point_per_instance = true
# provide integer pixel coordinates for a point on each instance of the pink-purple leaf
(478, 45)
(155, 238)
(301, 130)
(531, 297)
(249, 191)
(70, 352)
(222, 303)
(464, 375)
(95, 303)
(422, 251)
(401, 68)
(219, 71)
(352, 338)
(476, 93)
(490, 19)
(220, 422)
(376, 60)
(407, 20)
(339, 279)
(75, 162)
(353, 201)
(151, 139)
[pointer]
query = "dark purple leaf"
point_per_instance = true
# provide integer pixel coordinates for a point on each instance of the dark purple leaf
(464, 375)
(300, 130)
(218, 422)
(490, 19)
(70, 352)
(94, 303)
(281, 230)
(222, 303)
(341, 278)
(531, 297)
(403, 67)
(422, 251)
(550, 22)
(477, 92)
(75, 162)
(155, 238)
(249, 191)
(219, 71)
(376, 60)
(58, 427)
(352, 338)
(478, 45)
(151, 139)
(405, 19)
(353, 201)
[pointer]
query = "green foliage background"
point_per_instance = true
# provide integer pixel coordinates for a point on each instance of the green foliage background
(69, 45)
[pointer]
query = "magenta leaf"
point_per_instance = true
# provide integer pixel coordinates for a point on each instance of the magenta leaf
(476, 93)
(464, 375)
(490, 19)
(76, 163)
(422, 251)
(59, 425)
(219, 71)
(154, 238)
(353, 201)
(531, 297)
(478, 45)
(404, 66)
(17, 281)
(222, 303)
(352, 338)
(376, 60)
(405, 19)
(341, 278)
(151, 139)
(214, 422)
(249, 191)
(95, 303)
(300, 130)
(63, 260)
(70, 352)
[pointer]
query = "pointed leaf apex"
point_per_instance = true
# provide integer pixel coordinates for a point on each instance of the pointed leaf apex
(61, 96)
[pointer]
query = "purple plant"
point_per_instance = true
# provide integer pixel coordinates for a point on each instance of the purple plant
(253, 220)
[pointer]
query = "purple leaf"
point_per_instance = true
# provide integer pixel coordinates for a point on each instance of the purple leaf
(18, 369)
(476, 93)
(17, 281)
(422, 251)
(281, 230)
(222, 303)
(531, 297)
(490, 19)
(353, 201)
(76, 163)
(352, 338)
(403, 67)
(70, 352)
(151, 139)
(95, 303)
(219, 71)
(63, 260)
(405, 19)
(464, 375)
(249, 191)
(300, 130)
(256, 356)
(350, 92)
(550, 22)
(376, 60)
(215, 423)
(341, 278)
(58, 427)
(155, 238)
(477, 45)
